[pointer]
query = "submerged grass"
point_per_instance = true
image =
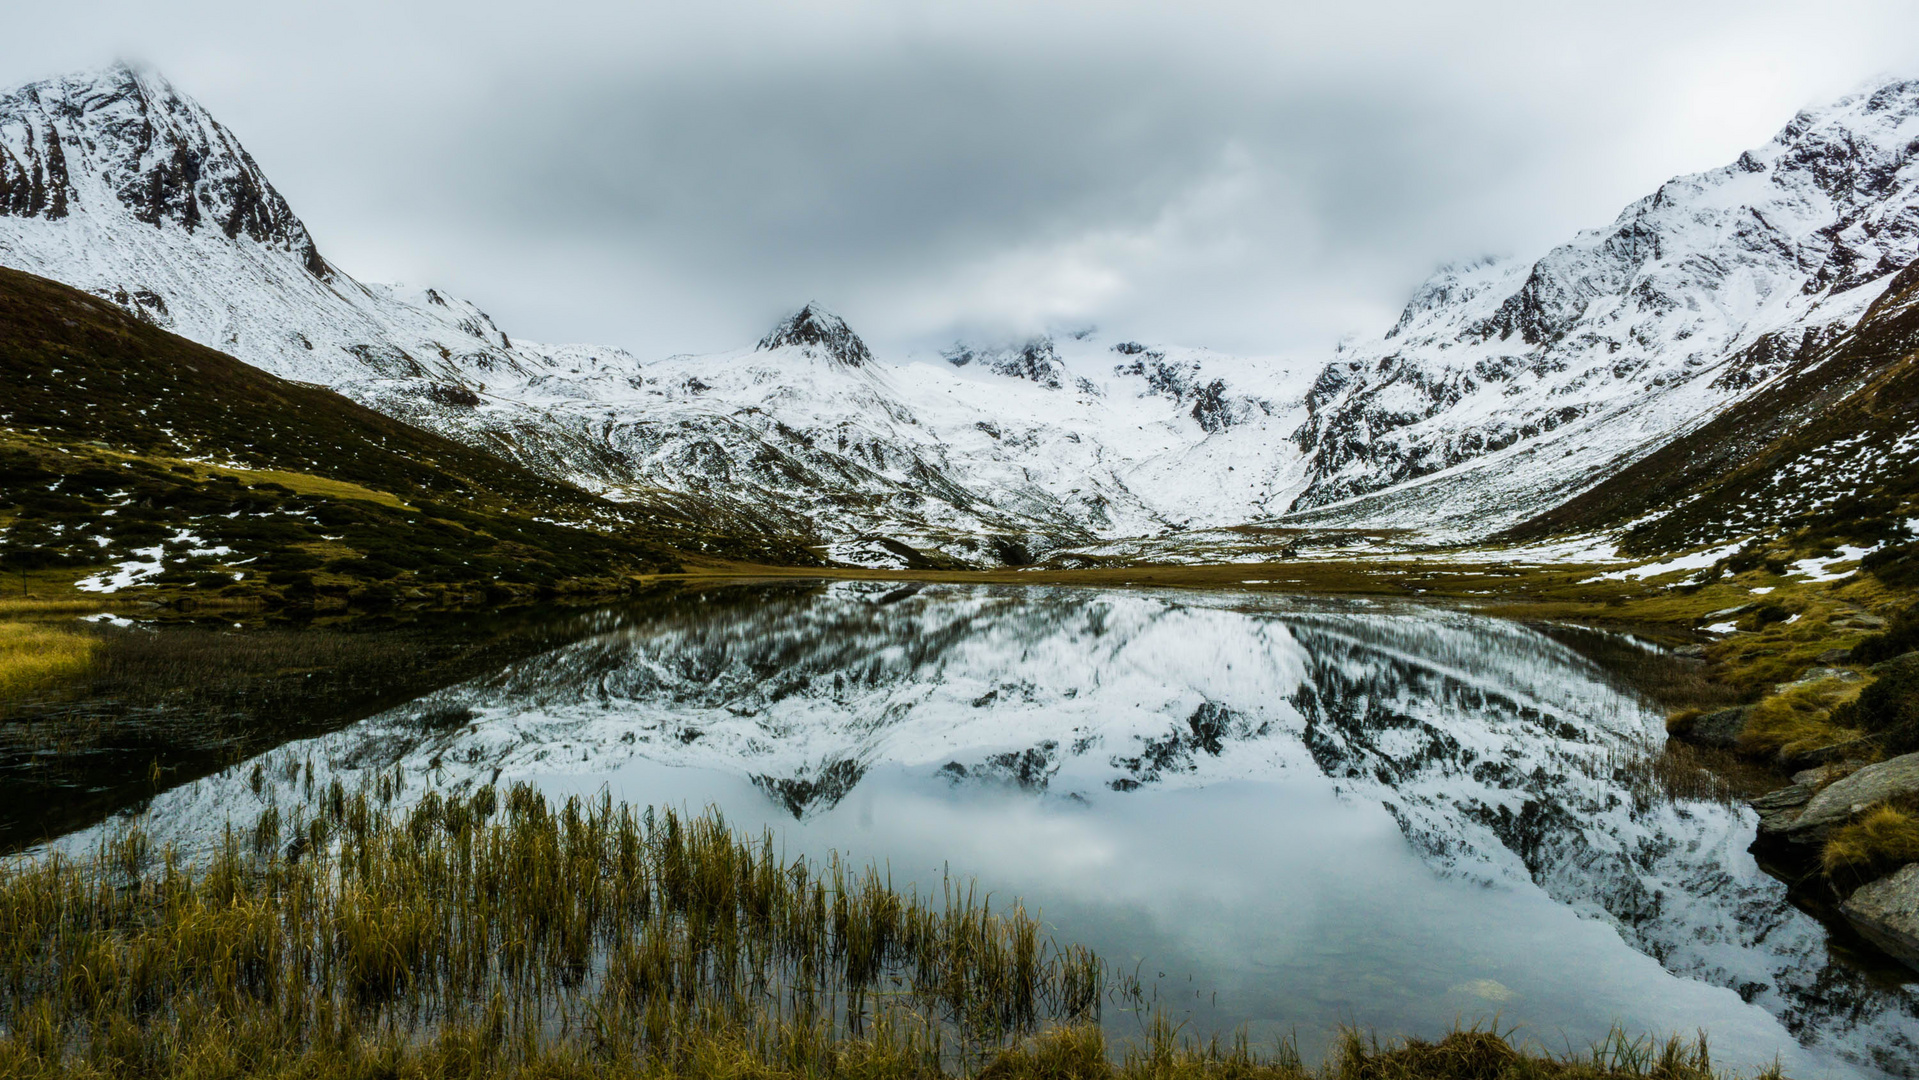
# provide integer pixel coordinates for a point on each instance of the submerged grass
(32, 657)
(490, 935)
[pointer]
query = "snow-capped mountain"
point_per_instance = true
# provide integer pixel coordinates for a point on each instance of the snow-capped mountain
(116, 183)
(951, 460)
(1506, 384)
(1504, 389)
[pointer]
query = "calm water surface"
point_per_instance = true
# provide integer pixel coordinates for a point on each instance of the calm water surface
(1287, 814)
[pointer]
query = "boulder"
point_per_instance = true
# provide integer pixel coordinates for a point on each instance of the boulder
(1820, 775)
(1860, 621)
(1779, 809)
(1887, 913)
(1719, 729)
(1833, 656)
(1870, 785)
(1860, 749)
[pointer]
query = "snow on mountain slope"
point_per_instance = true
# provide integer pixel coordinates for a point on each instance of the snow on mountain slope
(116, 183)
(1505, 388)
(1540, 380)
(982, 464)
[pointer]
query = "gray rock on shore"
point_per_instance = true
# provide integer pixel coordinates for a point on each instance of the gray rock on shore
(1887, 913)
(1720, 729)
(1778, 810)
(1845, 797)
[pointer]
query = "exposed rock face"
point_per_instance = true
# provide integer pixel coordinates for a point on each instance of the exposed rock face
(1872, 784)
(1504, 388)
(1214, 406)
(1692, 296)
(1887, 912)
(816, 331)
(66, 143)
(1037, 362)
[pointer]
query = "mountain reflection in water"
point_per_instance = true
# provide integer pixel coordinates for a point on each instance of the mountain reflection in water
(1318, 811)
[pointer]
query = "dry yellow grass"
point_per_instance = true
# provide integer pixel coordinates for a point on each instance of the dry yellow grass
(308, 484)
(32, 657)
(1886, 837)
(1799, 719)
(302, 483)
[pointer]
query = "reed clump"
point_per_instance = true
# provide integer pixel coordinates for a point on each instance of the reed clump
(33, 657)
(501, 930)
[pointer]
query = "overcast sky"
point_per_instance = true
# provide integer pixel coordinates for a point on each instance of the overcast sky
(1255, 177)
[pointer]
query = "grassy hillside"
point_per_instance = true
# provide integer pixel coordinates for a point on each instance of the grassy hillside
(131, 457)
(1827, 449)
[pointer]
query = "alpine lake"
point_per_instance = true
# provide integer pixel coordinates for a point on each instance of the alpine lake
(1281, 814)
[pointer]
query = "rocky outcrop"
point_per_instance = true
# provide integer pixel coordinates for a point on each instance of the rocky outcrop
(1693, 297)
(1720, 728)
(818, 332)
(1214, 406)
(1887, 913)
(1778, 810)
(1037, 361)
(1843, 798)
(70, 143)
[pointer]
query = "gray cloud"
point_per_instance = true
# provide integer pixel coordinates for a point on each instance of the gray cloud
(1256, 177)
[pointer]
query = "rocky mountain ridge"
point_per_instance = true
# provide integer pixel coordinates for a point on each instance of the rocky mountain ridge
(1503, 390)
(1629, 335)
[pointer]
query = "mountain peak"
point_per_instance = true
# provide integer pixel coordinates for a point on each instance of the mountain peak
(815, 330)
(122, 141)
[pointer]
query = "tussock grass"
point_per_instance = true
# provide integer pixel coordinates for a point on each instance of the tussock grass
(32, 657)
(1889, 708)
(55, 605)
(1799, 719)
(1879, 842)
(1677, 721)
(1467, 1054)
(496, 929)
